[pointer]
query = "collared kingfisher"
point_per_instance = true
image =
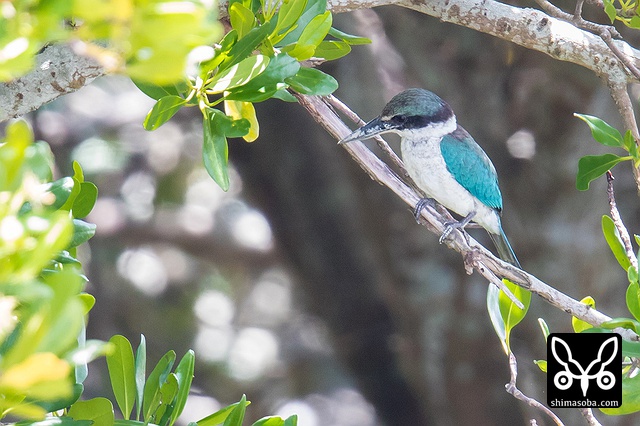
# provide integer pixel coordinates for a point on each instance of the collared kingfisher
(444, 161)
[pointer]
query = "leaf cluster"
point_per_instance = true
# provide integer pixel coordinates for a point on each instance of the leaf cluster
(258, 59)
(591, 167)
(42, 302)
(630, 350)
(149, 39)
(627, 12)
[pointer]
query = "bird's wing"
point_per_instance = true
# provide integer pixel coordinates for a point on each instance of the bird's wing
(471, 167)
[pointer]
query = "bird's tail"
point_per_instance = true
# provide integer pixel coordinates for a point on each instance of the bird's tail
(505, 252)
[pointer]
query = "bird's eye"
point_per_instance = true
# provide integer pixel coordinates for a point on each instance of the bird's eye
(399, 119)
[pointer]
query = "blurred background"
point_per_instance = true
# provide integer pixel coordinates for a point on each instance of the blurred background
(309, 287)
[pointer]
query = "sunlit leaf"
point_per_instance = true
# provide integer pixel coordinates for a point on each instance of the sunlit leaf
(244, 110)
(264, 86)
(221, 415)
(331, 50)
(121, 368)
(312, 9)
(578, 325)
(315, 31)
(82, 232)
(184, 375)
(236, 416)
(98, 410)
(162, 111)
(542, 364)
(242, 19)
(239, 74)
(140, 371)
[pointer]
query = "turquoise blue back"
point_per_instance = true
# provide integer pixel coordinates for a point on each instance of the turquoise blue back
(471, 167)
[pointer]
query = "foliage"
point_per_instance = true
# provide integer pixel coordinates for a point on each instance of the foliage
(258, 59)
(149, 39)
(42, 301)
(504, 313)
(591, 167)
(627, 12)
(43, 349)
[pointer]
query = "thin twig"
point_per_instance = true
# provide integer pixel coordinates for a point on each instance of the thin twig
(591, 420)
(513, 390)
(617, 220)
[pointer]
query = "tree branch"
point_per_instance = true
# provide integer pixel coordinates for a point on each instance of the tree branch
(59, 70)
(473, 252)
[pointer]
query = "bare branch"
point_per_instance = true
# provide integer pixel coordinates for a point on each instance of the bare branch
(591, 420)
(472, 251)
(517, 393)
(58, 71)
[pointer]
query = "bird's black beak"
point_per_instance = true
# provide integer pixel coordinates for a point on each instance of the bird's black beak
(369, 130)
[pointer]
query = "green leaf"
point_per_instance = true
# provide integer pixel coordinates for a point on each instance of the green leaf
(544, 327)
(601, 131)
(578, 325)
(504, 314)
(236, 416)
(215, 152)
(140, 371)
(331, 50)
(627, 323)
(315, 31)
(82, 232)
(85, 200)
(242, 19)
(155, 380)
(220, 416)
(610, 10)
(630, 144)
(351, 39)
(39, 159)
(291, 421)
(121, 366)
(311, 81)
(633, 299)
(162, 111)
(244, 47)
(312, 9)
(615, 243)
(269, 421)
(61, 189)
(158, 92)
(184, 374)
(264, 86)
(98, 410)
(288, 16)
(542, 364)
(238, 74)
(591, 167)
(630, 397)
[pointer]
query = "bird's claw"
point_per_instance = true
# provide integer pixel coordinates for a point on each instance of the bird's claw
(450, 226)
(421, 204)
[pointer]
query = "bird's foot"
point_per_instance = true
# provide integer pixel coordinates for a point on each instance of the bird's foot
(450, 226)
(421, 204)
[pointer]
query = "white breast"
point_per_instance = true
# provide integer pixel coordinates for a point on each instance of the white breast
(424, 162)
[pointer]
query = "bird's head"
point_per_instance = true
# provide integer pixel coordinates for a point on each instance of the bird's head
(413, 111)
